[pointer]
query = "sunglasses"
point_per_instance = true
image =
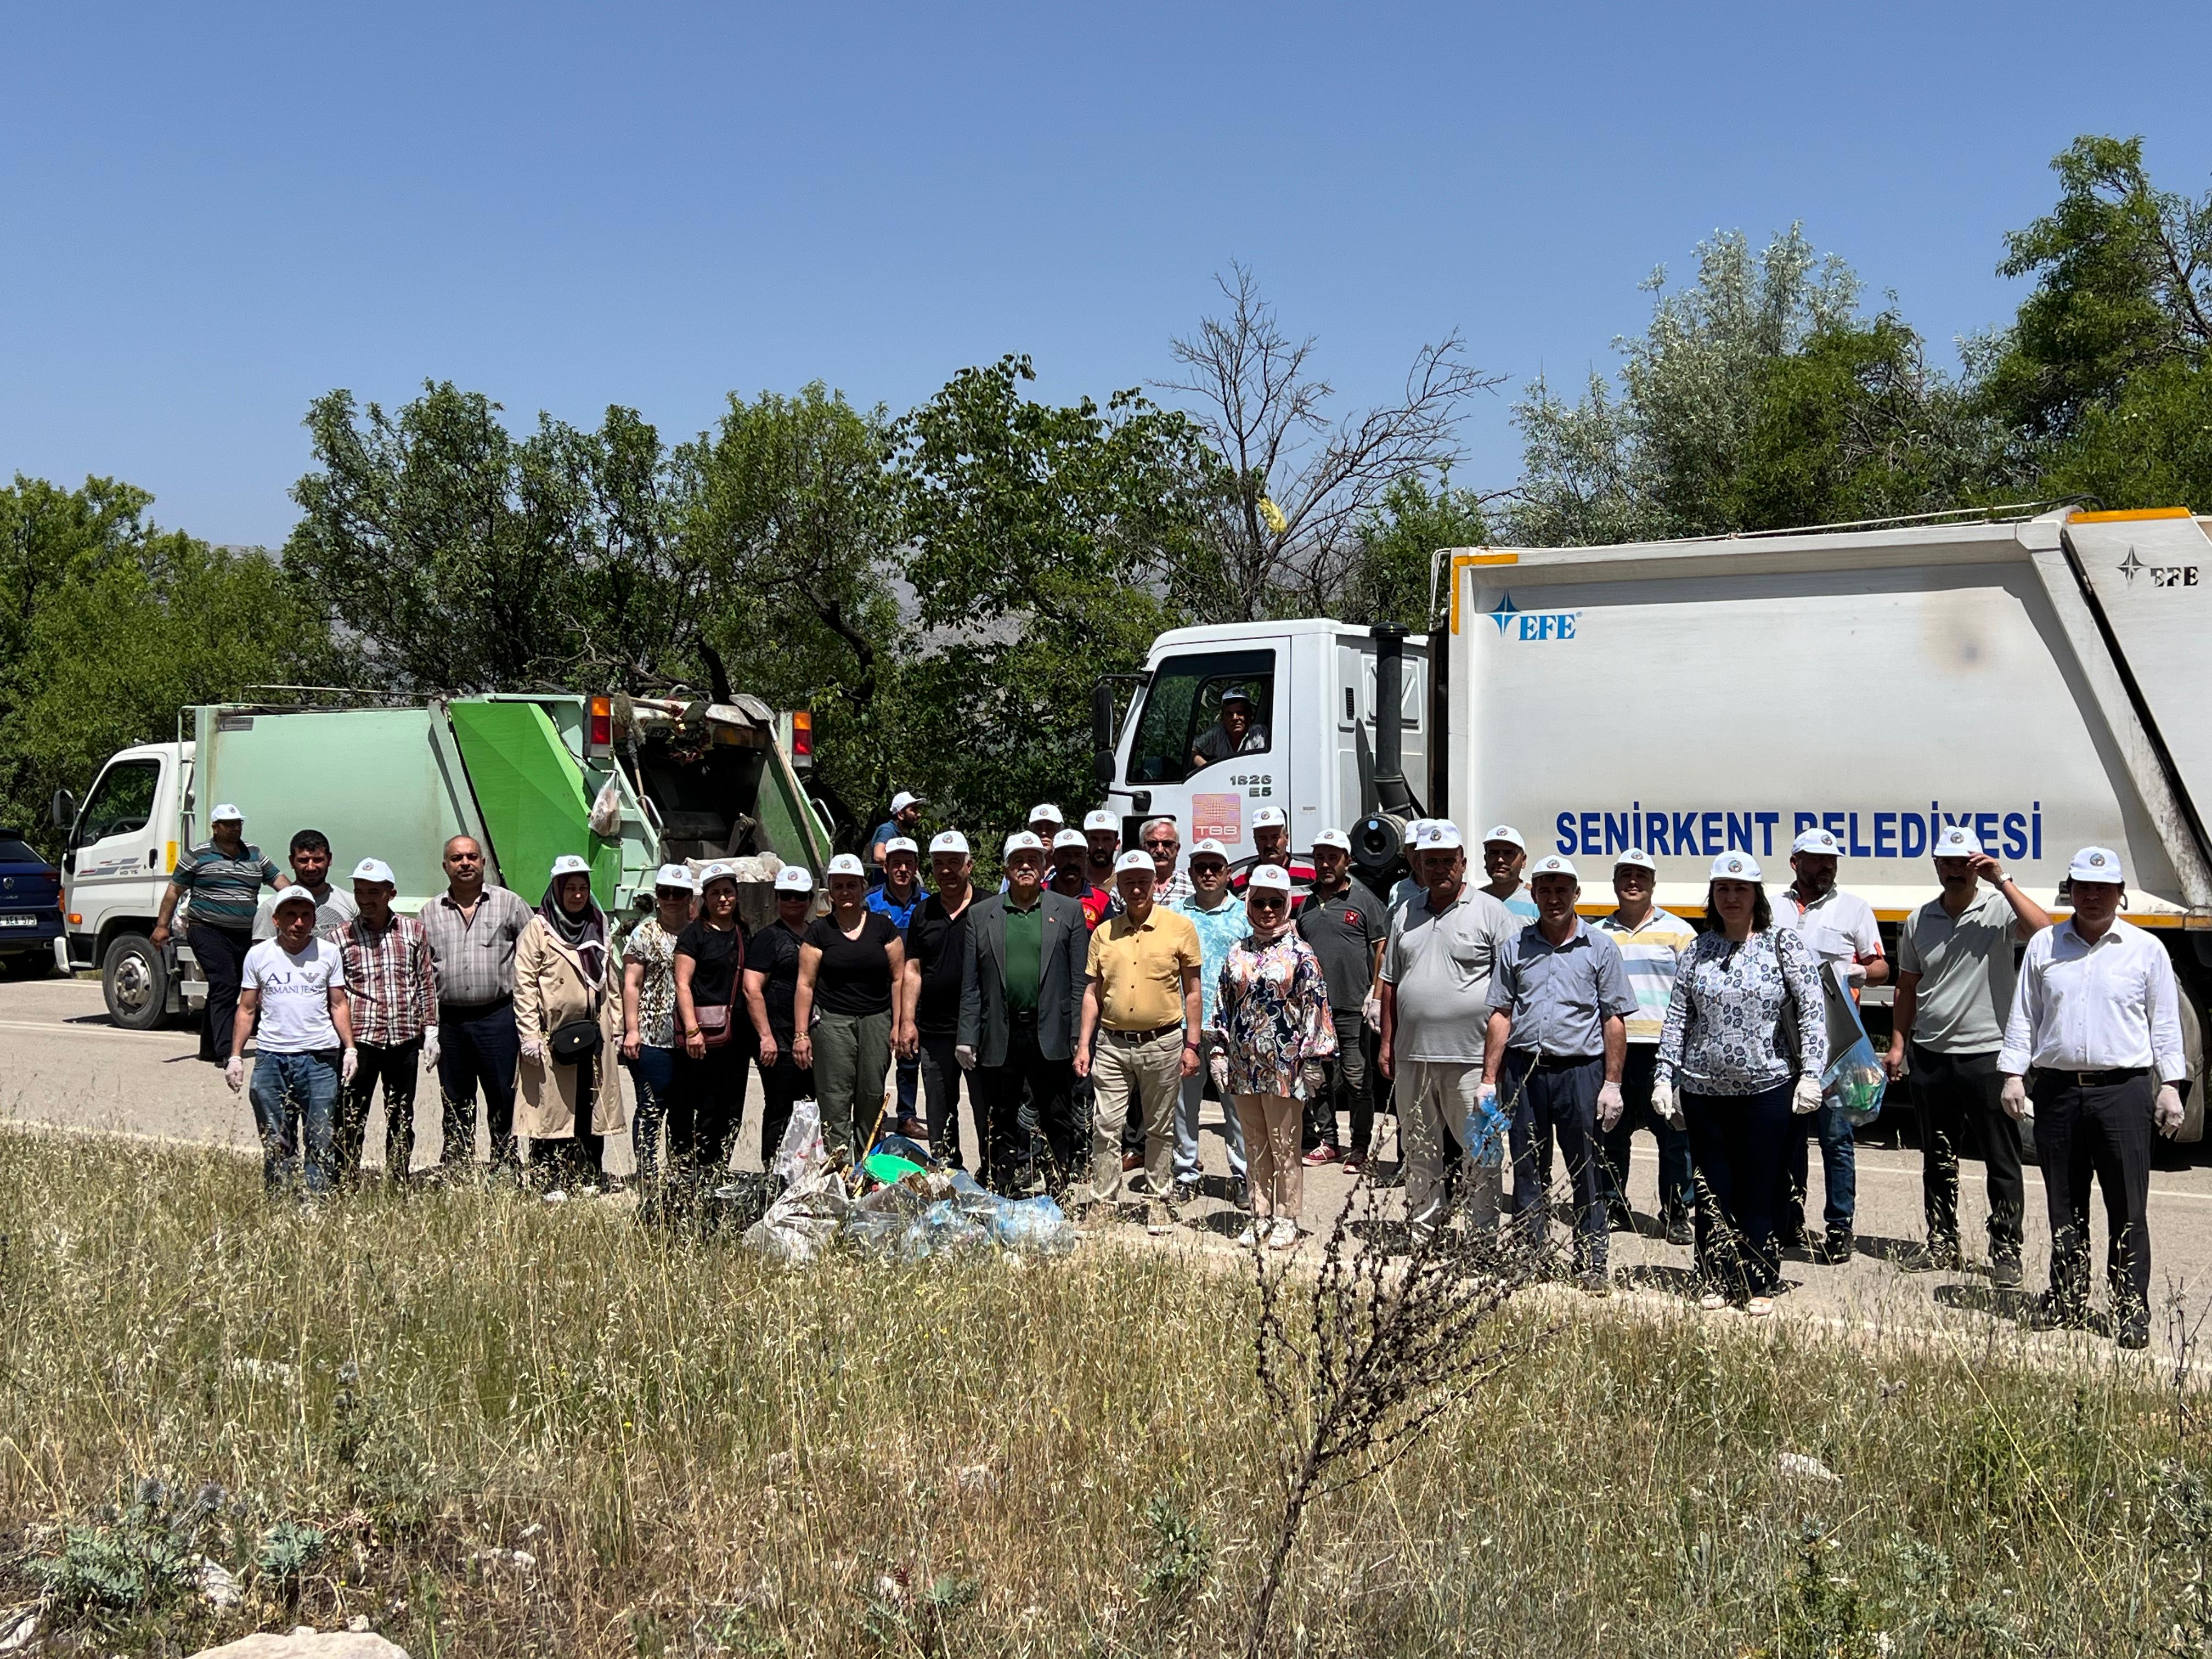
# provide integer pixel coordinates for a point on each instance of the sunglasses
(1269, 903)
(1162, 845)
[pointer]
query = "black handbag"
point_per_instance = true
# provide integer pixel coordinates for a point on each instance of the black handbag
(576, 1041)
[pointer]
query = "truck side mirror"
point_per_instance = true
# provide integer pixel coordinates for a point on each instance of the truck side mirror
(1102, 766)
(63, 810)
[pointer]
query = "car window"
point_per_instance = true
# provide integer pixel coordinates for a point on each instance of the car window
(13, 850)
(1180, 727)
(122, 801)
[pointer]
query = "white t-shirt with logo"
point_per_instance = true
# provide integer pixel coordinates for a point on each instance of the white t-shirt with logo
(295, 995)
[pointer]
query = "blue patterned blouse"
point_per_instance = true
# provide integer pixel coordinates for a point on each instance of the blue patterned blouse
(1272, 1005)
(1722, 1034)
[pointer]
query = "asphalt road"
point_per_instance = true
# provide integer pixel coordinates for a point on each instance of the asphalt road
(66, 1066)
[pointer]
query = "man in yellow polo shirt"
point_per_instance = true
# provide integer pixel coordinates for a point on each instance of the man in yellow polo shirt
(1140, 1034)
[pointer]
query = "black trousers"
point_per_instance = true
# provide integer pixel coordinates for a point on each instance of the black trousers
(1676, 1191)
(1349, 1087)
(940, 1095)
(396, 1068)
(1960, 1102)
(707, 1107)
(1738, 1143)
(479, 1047)
(781, 1084)
(221, 953)
(1050, 1087)
(2102, 1131)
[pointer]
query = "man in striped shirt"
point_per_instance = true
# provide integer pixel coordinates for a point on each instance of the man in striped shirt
(222, 878)
(1651, 942)
(394, 987)
(473, 927)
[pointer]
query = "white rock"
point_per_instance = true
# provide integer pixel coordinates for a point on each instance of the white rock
(17, 1626)
(307, 1643)
(1796, 1466)
(217, 1583)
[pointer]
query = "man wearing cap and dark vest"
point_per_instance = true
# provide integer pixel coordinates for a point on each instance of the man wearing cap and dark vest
(2097, 1016)
(1139, 1037)
(936, 957)
(1021, 985)
(898, 899)
(1504, 855)
(1651, 942)
(1954, 989)
(1841, 930)
(1558, 1040)
(1346, 924)
(393, 987)
(472, 928)
(223, 875)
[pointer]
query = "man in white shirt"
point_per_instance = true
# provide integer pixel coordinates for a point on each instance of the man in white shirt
(2097, 1014)
(1954, 986)
(296, 983)
(1841, 928)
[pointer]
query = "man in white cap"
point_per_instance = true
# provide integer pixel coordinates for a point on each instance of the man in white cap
(295, 985)
(1141, 1035)
(1504, 855)
(1954, 987)
(1235, 730)
(1841, 929)
(1021, 989)
(473, 927)
(1071, 861)
(1435, 977)
(1046, 821)
(936, 954)
(899, 900)
(393, 986)
(1103, 831)
(1558, 1040)
(1220, 921)
(905, 820)
(1347, 925)
(222, 877)
(771, 983)
(2097, 1014)
(1271, 844)
(1651, 942)
(309, 856)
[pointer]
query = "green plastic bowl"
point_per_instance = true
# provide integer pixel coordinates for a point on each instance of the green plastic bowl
(888, 1170)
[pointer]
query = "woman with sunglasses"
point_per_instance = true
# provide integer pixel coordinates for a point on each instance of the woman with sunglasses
(710, 1080)
(1272, 1006)
(648, 1009)
(850, 966)
(771, 985)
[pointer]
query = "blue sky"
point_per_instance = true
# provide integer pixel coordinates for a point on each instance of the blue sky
(214, 214)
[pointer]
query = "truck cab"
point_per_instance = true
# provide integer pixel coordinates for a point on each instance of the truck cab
(1310, 749)
(120, 849)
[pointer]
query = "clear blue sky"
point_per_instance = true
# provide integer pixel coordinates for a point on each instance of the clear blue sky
(214, 213)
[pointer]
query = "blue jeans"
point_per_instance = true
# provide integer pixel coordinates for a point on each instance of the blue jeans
(306, 1085)
(652, 1074)
(1186, 1123)
(1839, 1172)
(1557, 1100)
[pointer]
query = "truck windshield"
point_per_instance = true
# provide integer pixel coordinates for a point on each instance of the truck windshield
(121, 802)
(1201, 708)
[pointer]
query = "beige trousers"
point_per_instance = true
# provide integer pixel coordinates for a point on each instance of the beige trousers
(1274, 1171)
(1432, 1098)
(1145, 1078)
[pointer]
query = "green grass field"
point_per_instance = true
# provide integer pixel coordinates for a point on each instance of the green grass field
(371, 1408)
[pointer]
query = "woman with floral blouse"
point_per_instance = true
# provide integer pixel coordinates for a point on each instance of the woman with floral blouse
(1728, 1048)
(1272, 1009)
(648, 999)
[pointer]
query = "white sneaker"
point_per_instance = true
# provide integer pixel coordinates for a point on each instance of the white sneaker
(1250, 1237)
(556, 1196)
(1283, 1235)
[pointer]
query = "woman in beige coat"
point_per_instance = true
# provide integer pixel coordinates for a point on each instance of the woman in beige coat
(565, 975)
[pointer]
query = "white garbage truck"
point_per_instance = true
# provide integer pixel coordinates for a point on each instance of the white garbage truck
(2045, 680)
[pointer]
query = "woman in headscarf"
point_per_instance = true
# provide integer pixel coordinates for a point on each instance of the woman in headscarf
(567, 1012)
(709, 1106)
(1272, 1006)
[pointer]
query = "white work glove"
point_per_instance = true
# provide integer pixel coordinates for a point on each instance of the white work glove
(2014, 1096)
(965, 1053)
(534, 1052)
(235, 1073)
(1666, 1104)
(1610, 1105)
(1371, 1011)
(1805, 1100)
(1216, 1067)
(348, 1063)
(1311, 1077)
(430, 1045)
(1854, 973)
(2168, 1113)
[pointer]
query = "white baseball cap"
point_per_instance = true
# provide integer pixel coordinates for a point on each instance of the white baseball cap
(1437, 835)
(1270, 876)
(375, 870)
(905, 799)
(1269, 817)
(1209, 848)
(949, 841)
(2096, 863)
(1818, 840)
(1736, 866)
(226, 813)
(1553, 865)
(1021, 841)
(1504, 832)
(1072, 838)
(1045, 809)
(902, 844)
(286, 895)
(568, 864)
(676, 875)
(1955, 841)
(723, 870)
(1101, 819)
(1335, 838)
(1134, 860)
(846, 864)
(1637, 856)
(794, 879)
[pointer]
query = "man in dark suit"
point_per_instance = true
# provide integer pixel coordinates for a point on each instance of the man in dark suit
(1021, 987)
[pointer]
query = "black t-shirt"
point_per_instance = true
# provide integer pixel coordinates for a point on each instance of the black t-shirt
(855, 974)
(1344, 932)
(716, 958)
(938, 942)
(773, 953)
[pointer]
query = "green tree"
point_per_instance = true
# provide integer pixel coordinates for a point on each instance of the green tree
(1390, 576)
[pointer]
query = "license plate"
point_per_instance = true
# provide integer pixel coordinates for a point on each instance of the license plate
(19, 921)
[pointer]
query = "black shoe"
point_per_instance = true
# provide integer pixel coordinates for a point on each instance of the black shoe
(2136, 1334)
(1240, 1195)
(1928, 1258)
(1838, 1246)
(2004, 1272)
(1620, 1219)
(2053, 1312)
(1183, 1192)
(1679, 1231)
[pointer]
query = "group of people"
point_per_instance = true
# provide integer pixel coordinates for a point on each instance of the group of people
(1089, 1000)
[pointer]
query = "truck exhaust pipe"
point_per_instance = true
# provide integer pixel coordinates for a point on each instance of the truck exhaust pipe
(1392, 795)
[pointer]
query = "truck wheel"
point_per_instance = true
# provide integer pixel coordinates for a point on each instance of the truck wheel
(134, 977)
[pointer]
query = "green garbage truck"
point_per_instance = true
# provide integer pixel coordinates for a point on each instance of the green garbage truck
(628, 783)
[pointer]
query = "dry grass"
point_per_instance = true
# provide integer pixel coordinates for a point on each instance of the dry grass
(703, 1454)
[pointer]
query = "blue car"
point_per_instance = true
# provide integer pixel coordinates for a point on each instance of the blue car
(30, 909)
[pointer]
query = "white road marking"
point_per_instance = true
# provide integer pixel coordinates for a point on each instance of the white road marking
(64, 1028)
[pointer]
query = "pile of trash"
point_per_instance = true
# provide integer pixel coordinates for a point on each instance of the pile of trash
(900, 1205)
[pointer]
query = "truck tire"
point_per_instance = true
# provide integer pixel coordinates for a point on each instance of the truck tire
(134, 978)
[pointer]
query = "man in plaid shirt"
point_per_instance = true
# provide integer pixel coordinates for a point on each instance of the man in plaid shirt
(395, 1002)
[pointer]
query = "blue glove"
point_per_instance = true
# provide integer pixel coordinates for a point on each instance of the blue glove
(1484, 1132)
